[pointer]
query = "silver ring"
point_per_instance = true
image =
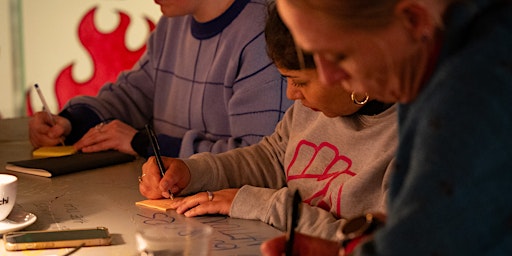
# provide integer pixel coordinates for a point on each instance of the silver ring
(210, 195)
(99, 126)
(140, 177)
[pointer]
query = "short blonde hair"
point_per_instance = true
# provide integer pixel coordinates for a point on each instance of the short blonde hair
(368, 14)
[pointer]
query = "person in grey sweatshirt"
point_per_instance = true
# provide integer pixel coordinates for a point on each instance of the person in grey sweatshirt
(335, 150)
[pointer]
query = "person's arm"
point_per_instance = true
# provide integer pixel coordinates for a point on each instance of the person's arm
(258, 102)
(169, 146)
(272, 206)
(42, 131)
(129, 98)
(82, 118)
(258, 165)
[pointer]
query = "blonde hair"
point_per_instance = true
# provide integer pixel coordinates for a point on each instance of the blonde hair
(368, 14)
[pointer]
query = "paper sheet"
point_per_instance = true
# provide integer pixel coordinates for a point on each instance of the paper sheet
(158, 204)
(53, 151)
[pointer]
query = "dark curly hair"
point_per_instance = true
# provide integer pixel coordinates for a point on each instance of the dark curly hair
(280, 45)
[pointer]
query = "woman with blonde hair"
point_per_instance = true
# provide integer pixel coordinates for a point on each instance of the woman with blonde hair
(449, 65)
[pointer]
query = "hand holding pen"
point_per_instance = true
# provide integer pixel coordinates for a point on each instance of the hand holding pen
(46, 109)
(176, 178)
(172, 175)
(45, 105)
(156, 150)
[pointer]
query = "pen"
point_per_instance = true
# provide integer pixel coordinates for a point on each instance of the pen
(156, 149)
(293, 223)
(46, 108)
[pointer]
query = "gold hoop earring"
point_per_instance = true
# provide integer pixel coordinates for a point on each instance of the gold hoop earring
(357, 102)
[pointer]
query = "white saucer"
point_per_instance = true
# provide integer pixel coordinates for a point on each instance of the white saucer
(17, 219)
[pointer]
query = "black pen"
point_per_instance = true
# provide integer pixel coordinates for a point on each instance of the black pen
(293, 223)
(156, 149)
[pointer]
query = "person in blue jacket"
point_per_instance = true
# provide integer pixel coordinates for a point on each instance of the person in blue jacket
(449, 65)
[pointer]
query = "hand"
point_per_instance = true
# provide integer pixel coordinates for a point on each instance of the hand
(42, 133)
(303, 245)
(114, 135)
(199, 204)
(176, 178)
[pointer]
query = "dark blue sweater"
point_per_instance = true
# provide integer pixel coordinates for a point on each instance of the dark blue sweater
(451, 191)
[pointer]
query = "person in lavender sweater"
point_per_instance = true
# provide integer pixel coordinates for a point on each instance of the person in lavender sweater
(205, 83)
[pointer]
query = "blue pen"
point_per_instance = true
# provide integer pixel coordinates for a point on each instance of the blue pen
(156, 149)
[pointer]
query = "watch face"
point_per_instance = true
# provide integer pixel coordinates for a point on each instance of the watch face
(357, 226)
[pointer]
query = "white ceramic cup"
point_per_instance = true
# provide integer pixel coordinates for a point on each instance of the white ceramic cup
(8, 189)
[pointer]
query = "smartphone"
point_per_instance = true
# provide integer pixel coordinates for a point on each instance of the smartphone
(27, 240)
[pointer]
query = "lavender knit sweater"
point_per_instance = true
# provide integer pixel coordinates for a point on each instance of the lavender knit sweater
(206, 87)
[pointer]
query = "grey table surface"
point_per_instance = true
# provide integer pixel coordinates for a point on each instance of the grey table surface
(106, 197)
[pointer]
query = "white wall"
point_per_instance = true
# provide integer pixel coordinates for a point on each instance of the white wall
(6, 76)
(50, 39)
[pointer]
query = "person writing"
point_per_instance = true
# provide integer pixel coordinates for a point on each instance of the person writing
(204, 83)
(334, 147)
(448, 63)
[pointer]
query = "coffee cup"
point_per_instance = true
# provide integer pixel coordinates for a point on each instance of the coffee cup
(8, 189)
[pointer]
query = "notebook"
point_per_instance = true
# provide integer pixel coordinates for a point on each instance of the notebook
(54, 166)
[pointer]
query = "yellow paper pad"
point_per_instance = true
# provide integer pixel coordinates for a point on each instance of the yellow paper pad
(53, 151)
(158, 204)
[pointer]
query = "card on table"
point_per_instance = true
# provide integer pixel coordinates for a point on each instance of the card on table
(158, 204)
(53, 151)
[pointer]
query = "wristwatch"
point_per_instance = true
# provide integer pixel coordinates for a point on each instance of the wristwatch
(359, 227)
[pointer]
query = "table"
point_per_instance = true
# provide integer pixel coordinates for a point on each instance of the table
(106, 197)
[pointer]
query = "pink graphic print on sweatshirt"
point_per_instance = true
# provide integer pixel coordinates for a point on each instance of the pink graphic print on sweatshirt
(324, 167)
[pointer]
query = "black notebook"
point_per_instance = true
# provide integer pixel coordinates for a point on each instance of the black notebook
(54, 166)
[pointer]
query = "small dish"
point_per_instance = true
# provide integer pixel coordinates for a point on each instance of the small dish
(17, 219)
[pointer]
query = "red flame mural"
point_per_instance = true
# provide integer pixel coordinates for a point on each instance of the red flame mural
(109, 55)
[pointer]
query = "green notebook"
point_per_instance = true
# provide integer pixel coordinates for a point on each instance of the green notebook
(54, 166)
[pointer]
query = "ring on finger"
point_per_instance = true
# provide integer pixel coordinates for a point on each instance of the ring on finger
(99, 126)
(140, 177)
(210, 195)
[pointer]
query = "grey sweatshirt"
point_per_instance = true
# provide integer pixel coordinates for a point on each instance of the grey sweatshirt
(339, 165)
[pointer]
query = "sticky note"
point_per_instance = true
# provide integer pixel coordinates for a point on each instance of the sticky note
(158, 204)
(53, 151)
